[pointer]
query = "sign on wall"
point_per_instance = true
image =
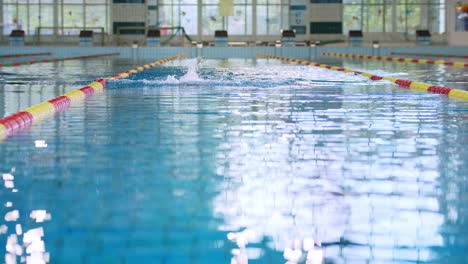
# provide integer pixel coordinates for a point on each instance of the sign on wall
(297, 18)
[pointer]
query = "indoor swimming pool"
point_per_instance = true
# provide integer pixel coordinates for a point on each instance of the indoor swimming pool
(236, 161)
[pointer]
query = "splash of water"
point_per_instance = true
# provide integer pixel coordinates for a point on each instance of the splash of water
(190, 77)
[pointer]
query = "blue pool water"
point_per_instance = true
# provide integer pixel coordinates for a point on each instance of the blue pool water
(236, 161)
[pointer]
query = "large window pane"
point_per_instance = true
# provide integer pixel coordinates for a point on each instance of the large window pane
(274, 20)
(437, 18)
(47, 18)
(96, 16)
(95, 1)
(270, 20)
(23, 18)
(414, 19)
(373, 21)
(388, 25)
(189, 19)
(73, 1)
(238, 24)
(285, 17)
(72, 17)
(351, 18)
(400, 18)
(405, 16)
(190, 2)
(34, 21)
(211, 20)
(9, 19)
(165, 16)
(261, 20)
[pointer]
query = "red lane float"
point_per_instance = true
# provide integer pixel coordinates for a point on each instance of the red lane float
(22, 120)
(397, 59)
(429, 55)
(456, 93)
(56, 60)
(25, 55)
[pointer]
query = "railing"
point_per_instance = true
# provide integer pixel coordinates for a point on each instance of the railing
(175, 31)
(37, 38)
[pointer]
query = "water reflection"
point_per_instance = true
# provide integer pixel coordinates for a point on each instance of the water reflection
(25, 247)
(309, 167)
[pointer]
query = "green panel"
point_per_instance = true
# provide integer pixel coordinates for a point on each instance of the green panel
(129, 31)
(297, 7)
(300, 30)
(326, 27)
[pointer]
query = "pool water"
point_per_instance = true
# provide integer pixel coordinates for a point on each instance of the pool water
(237, 161)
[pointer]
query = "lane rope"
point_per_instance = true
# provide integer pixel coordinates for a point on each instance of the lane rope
(25, 55)
(22, 120)
(13, 64)
(451, 92)
(429, 55)
(398, 59)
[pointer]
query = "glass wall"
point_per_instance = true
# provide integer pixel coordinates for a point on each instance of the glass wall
(272, 16)
(174, 13)
(201, 17)
(404, 16)
(53, 15)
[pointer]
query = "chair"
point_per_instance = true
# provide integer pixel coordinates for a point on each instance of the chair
(423, 37)
(153, 38)
(221, 38)
(288, 38)
(355, 38)
(17, 37)
(86, 37)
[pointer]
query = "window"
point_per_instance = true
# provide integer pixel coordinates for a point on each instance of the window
(28, 15)
(272, 16)
(404, 16)
(179, 13)
(211, 21)
(238, 24)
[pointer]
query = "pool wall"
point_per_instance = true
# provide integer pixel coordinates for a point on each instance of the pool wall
(229, 52)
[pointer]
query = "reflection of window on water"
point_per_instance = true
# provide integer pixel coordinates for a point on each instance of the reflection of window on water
(461, 17)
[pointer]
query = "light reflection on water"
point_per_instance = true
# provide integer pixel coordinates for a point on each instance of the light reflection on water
(25, 247)
(249, 163)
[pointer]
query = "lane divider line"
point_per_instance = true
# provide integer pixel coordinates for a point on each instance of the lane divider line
(25, 55)
(398, 59)
(451, 92)
(13, 64)
(22, 120)
(429, 55)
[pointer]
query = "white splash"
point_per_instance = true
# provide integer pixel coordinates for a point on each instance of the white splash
(191, 75)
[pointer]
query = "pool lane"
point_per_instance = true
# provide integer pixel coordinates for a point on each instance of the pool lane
(217, 161)
(451, 92)
(22, 120)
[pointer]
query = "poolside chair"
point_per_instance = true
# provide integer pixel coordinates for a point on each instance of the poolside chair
(86, 38)
(17, 37)
(221, 38)
(355, 38)
(423, 37)
(288, 38)
(153, 38)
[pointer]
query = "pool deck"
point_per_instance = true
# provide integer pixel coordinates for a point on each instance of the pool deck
(231, 52)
